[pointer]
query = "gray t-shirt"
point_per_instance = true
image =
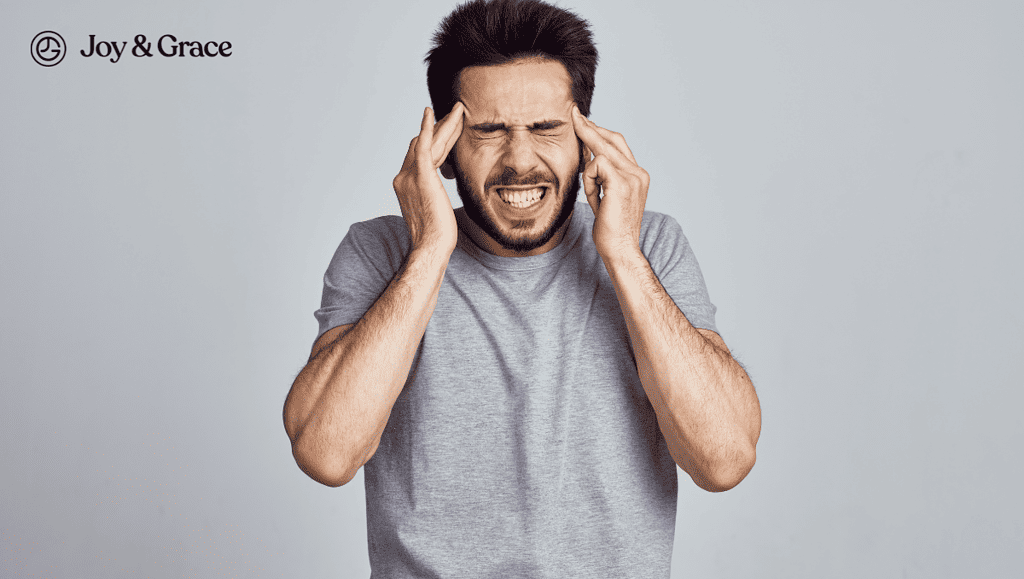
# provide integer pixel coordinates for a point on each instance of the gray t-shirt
(523, 444)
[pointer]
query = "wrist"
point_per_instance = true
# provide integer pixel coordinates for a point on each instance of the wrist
(622, 253)
(431, 254)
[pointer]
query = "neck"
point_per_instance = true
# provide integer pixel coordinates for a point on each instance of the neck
(487, 243)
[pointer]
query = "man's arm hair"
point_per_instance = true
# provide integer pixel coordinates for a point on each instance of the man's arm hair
(340, 402)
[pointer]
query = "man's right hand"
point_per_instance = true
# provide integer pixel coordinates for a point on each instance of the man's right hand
(425, 206)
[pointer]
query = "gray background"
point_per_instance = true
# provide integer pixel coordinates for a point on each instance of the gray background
(849, 174)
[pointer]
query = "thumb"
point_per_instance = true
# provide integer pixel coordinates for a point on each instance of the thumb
(591, 186)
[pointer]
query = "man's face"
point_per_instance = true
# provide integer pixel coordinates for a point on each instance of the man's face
(518, 160)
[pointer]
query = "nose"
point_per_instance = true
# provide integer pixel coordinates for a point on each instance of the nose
(519, 153)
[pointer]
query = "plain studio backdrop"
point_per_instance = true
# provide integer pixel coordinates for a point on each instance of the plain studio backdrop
(849, 174)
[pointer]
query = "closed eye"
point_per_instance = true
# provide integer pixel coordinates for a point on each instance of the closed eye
(546, 126)
(543, 129)
(488, 135)
(489, 128)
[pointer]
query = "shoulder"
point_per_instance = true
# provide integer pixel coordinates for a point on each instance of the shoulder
(387, 234)
(659, 231)
(380, 243)
(385, 228)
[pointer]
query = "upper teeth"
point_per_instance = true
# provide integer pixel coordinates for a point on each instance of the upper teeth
(517, 197)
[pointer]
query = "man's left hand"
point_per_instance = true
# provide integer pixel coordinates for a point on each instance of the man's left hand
(616, 187)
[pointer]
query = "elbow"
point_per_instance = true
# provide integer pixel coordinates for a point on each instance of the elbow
(724, 474)
(323, 467)
(332, 479)
(332, 465)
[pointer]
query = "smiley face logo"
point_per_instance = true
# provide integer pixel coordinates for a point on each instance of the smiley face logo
(48, 48)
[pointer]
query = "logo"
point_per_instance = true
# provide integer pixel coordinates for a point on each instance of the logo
(48, 48)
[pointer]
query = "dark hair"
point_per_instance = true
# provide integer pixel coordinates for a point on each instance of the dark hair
(487, 33)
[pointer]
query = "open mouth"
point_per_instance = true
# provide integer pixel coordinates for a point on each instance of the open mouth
(522, 198)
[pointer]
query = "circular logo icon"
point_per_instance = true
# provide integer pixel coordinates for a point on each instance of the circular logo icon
(48, 48)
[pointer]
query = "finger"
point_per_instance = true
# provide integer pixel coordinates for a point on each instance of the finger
(616, 139)
(410, 155)
(457, 109)
(591, 184)
(425, 138)
(446, 133)
(591, 138)
(600, 140)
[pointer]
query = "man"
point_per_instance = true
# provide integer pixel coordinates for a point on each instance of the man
(521, 376)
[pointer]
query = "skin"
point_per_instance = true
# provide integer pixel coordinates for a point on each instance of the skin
(517, 135)
(340, 402)
(339, 405)
(706, 405)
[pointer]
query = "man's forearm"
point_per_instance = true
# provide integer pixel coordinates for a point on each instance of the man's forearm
(705, 403)
(340, 402)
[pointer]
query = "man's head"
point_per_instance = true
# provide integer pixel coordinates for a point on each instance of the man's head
(518, 66)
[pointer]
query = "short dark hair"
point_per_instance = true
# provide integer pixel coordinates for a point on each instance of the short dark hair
(494, 32)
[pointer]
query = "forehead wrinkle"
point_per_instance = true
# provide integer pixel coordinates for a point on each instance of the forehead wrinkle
(511, 100)
(494, 119)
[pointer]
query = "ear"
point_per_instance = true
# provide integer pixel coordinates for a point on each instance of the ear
(447, 171)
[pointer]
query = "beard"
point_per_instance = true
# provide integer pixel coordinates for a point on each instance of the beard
(506, 239)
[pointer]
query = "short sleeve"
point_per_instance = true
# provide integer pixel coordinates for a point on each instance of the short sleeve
(364, 264)
(673, 261)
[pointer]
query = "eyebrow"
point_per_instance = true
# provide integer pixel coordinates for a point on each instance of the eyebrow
(538, 126)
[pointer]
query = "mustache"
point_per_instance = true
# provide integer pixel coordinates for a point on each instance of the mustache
(509, 178)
